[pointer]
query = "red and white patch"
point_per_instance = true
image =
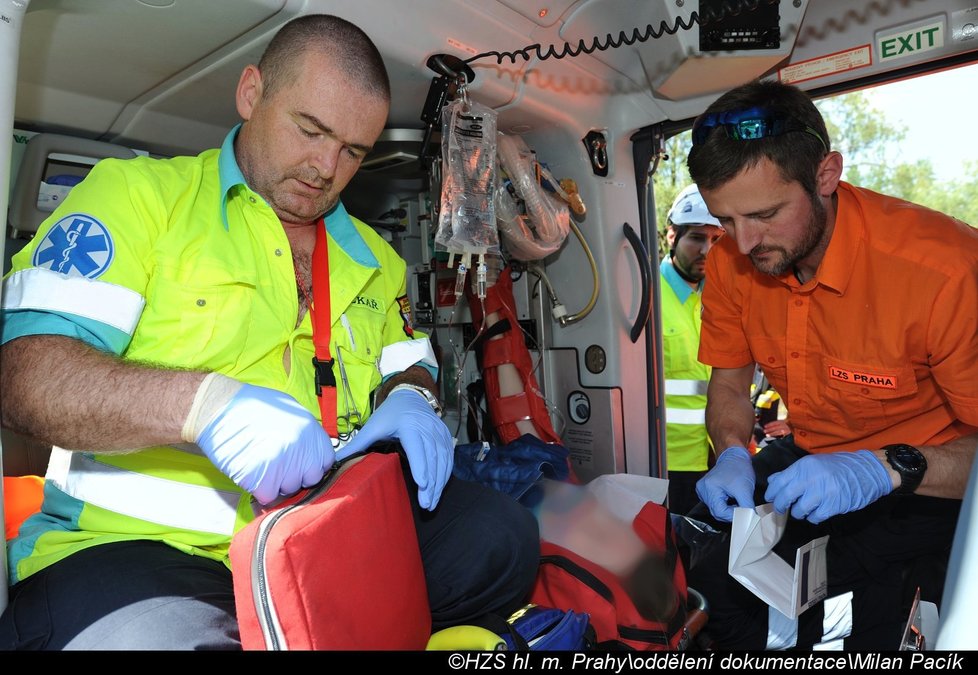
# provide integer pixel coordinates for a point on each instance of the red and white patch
(405, 304)
(863, 378)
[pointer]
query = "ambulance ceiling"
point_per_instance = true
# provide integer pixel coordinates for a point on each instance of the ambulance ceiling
(160, 74)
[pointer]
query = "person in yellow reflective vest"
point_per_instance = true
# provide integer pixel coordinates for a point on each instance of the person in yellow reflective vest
(692, 232)
(157, 332)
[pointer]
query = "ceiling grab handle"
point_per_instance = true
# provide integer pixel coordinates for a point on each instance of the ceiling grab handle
(645, 269)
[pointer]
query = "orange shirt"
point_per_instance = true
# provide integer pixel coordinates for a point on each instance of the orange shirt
(881, 346)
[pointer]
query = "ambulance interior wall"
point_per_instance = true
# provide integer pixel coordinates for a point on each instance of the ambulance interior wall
(437, 311)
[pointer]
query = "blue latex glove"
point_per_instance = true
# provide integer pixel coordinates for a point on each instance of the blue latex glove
(267, 443)
(731, 477)
(427, 443)
(817, 487)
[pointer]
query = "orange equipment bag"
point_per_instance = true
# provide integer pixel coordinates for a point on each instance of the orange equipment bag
(336, 566)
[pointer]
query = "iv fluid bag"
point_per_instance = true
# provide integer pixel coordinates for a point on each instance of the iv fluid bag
(467, 221)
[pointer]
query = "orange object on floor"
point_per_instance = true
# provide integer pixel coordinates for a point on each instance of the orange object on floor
(22, 497)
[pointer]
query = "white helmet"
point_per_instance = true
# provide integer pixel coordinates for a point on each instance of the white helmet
(690, 209)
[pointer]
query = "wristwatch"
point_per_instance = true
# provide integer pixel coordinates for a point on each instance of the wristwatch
(909, 462)
(428, 396)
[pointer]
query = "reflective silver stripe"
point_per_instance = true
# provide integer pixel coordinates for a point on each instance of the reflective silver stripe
(41, 289)
(402, 355)
(830, 646)
(837, 623)
(782, 631)
(681, 416)
(686, 387)
(157, 500)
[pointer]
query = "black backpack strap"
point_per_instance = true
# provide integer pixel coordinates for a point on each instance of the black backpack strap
(500, 626)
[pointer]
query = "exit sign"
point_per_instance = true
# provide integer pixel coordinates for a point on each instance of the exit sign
(905, 42)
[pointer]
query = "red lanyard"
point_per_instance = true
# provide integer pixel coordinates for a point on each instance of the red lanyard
(322, 361)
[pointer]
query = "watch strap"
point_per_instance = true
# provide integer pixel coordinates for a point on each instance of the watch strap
(424, 392)
(910, 477)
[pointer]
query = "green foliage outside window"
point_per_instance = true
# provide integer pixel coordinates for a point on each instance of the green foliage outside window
(869, 144)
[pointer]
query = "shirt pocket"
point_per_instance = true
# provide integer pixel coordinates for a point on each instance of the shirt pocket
(361, 333)
(358, 342)
(680, 346)
(204, 324)
(869, 397)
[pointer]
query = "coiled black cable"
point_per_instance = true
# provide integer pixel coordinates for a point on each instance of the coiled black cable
(611, 42)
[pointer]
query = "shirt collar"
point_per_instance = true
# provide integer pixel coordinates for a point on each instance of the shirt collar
(679, 285)
(840, 257)
(228, 171)
(339, 225)
(839, 260)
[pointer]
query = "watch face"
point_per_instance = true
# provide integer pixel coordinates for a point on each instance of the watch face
(906, 458)
(910, 463)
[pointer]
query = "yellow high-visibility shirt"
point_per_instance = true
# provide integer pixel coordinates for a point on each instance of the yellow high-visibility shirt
(686, 379)
(177, 263)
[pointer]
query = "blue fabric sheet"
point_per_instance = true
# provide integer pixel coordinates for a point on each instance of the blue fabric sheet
(514, 468)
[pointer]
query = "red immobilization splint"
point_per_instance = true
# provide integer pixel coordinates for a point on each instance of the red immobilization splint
(510, 348)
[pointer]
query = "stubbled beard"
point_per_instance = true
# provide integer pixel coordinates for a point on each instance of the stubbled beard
(788, 259)
(281, 200)
(687, 274)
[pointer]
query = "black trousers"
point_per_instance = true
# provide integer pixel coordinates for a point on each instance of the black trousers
(682, 490)
(480, 550)
(880, 554)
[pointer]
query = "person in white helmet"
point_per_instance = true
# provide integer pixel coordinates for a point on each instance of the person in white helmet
(692, 233)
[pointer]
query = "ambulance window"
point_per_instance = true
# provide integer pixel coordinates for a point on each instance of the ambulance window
(907, 139)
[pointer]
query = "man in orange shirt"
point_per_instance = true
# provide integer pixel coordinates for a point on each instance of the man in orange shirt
(862, 310)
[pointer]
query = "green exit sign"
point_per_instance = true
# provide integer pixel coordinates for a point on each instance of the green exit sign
(905, 42)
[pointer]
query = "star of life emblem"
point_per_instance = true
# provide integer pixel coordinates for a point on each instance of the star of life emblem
(77, 245)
